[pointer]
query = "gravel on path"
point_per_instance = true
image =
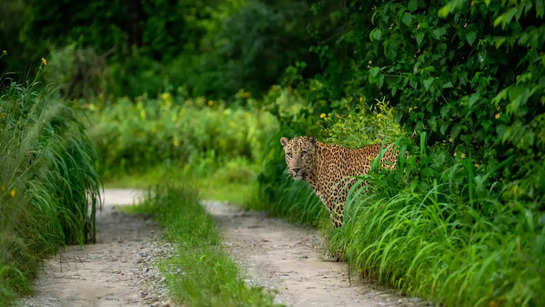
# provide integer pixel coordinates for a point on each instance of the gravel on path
(290, 260)
(118, 270)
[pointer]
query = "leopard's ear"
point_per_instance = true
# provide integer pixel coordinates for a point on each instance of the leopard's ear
(284, 141)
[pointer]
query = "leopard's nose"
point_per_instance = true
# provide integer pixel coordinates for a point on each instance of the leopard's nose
(296, 170)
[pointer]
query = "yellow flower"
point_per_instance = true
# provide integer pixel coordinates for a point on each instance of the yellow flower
(176, 142)
(44, 61)
(463, 155)
(247, 115)
(497, 115)
(210, 103)
(4, 52)
(165, 96)
(362, 99)
(322, 115)
(3, 188)
(3, 115)
(12, 193)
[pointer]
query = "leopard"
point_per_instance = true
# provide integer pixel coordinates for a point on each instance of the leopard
(332, 169)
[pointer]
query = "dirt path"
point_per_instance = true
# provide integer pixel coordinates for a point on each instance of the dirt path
(281, 256)
(116, 271)
(119, 270)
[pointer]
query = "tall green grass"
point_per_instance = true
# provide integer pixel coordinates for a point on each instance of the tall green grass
(200, 273)
(436, 227)
(49, 189)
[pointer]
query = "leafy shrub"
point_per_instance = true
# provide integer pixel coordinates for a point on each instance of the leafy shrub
(469, 73)
(49, 189)
(192, 133)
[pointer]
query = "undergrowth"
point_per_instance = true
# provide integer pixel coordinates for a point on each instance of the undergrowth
(49, 189)
(200, 273)
(436, 227)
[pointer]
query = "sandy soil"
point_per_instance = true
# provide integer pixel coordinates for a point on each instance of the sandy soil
(290, 260)
(116, 271)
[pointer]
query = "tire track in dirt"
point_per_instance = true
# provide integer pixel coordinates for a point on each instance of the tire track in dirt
(289, 260)
(116, 271)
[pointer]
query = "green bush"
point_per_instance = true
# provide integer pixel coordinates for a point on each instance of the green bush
(49, 189)
(194, 134)
(443, 226)
(469, 73)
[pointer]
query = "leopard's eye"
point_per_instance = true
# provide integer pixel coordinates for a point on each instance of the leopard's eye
(289, 155)
(303, 153)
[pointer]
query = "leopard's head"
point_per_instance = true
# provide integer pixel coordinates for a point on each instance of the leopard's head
(299, 153)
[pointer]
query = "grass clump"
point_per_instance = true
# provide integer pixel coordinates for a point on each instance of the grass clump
(434, 230)
(204, 274)
(49, 189)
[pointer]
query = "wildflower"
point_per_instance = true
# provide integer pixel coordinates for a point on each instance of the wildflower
(3, 188)
(362, 99)
(322, 115)
(497, 115)
(247, 115)
(454, 155)
(176, 142)
(463, 155)
(210, 103)
(476, 165)
(3, 115)
(12, 193)
(4, 52)
(44, 61)
(165, 96)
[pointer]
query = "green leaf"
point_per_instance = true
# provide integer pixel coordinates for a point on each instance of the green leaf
(439, 32)
(470, 37)
(419, 38)
(407, 19)
(428, 82)
(448, 85)
(375, 35)
(444, 11)
(373, 71)
(413, 5)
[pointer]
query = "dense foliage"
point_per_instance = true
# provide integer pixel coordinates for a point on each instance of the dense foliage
(470, 74)
(48, 185)
(462, 222)
(188, 133)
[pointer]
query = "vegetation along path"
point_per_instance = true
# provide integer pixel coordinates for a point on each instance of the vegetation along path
(288, 258)
(116, 271)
